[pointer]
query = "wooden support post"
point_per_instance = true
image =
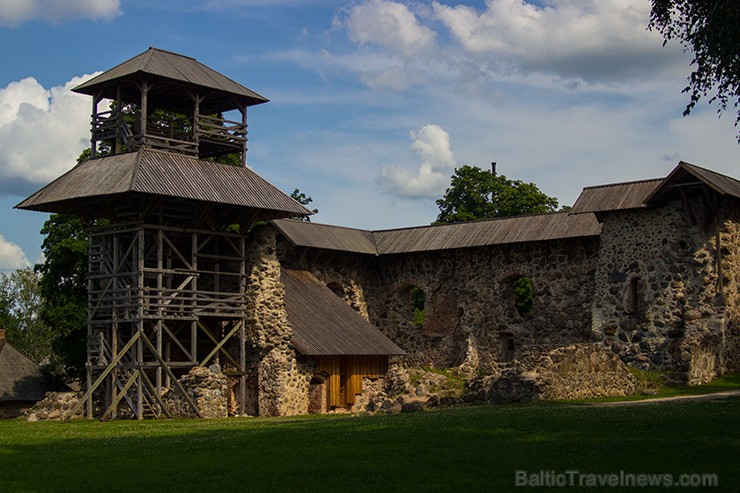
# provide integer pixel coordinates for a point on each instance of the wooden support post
(140, 320)
(119, 120)
(160, 253)
(144, 87)
(101, 378)
(242, 329)
(243, 111)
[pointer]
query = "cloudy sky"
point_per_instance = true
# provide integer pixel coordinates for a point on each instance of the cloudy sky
(373, 102)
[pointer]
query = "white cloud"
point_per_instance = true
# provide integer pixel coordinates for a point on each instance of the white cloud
(11, 256)
(432, 145)
(14, 12)
(42, 132)
(390, 25)
(589, 39)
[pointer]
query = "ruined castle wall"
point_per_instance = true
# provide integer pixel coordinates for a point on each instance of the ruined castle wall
(657, 303)
(470, 301)
(281, 380)
(469, 297)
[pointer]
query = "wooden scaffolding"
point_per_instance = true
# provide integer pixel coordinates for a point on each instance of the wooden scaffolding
(162, 299)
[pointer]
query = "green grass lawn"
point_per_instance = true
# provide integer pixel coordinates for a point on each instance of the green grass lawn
(459, 449)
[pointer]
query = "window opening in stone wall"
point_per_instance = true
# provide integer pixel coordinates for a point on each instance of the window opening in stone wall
(636, 299)
(523, 295)
(508, 346)
(418, 304)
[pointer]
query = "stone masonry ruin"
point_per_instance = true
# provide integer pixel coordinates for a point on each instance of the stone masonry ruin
(208, 298)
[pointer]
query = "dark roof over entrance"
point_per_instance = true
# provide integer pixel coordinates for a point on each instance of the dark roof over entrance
(167, 68)
(323, 325)
(160, 173)
(20, 378)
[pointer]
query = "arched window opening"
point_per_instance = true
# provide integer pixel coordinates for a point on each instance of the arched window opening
(523, 295)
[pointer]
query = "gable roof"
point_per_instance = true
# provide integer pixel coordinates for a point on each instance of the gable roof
(323, 325)
(324, 236)
(148, 171)
(686, 174)
(615, 196)
(168, 66)
(641, 194)
(20, 378)
(508, 230)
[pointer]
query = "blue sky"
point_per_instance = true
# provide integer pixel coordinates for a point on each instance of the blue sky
(373, 102)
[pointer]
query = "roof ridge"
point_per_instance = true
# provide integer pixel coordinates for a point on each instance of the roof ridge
(474, 221)
(154, 48)
(621, 183)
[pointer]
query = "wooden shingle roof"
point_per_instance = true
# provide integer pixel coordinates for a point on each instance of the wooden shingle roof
(615, 196)
(520, 229)
(314, 235)
(20, 378)
(645, 193)
(501, 231)
(686, 174)
(323, 325)
(158, 173)
(167, 68)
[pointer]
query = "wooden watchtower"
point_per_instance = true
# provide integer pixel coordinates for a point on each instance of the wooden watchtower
(167, 228)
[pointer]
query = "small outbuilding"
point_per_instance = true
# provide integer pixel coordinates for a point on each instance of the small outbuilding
(22, 383)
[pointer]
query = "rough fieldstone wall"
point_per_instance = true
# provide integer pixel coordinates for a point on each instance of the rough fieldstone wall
(207, 387)
(656, 302)
(577, 371)
(470, 317)
(282, 382)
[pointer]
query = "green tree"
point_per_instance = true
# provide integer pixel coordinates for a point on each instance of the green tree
(63, 287)
(303, 199)
(20, 309)
(477, 194)
(711, 30)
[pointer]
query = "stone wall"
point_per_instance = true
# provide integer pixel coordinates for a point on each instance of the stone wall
(282, 382)
(657, 303)
(207, 387)
(56, 406)
(578, 371)
(469, 297)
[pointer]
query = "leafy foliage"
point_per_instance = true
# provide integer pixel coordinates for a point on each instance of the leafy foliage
(20, 307)
(477, 194)
(418, 302)
(303, 199)
(64, 290)
(711, 30)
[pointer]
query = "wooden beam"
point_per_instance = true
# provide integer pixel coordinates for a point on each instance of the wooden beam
(177, 383)
(103, 375)
(218, 347)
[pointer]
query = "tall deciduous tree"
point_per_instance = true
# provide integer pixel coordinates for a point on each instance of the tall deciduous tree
(478, 194)
(64, 290)
(20, 310)
(711, 30)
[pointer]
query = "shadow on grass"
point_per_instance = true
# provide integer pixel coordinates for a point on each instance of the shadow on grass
(465, 449)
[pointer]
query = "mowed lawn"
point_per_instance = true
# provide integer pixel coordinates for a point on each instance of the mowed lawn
(456, 449)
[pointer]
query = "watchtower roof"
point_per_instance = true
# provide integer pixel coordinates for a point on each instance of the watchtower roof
(170, 71)
(169, 175)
